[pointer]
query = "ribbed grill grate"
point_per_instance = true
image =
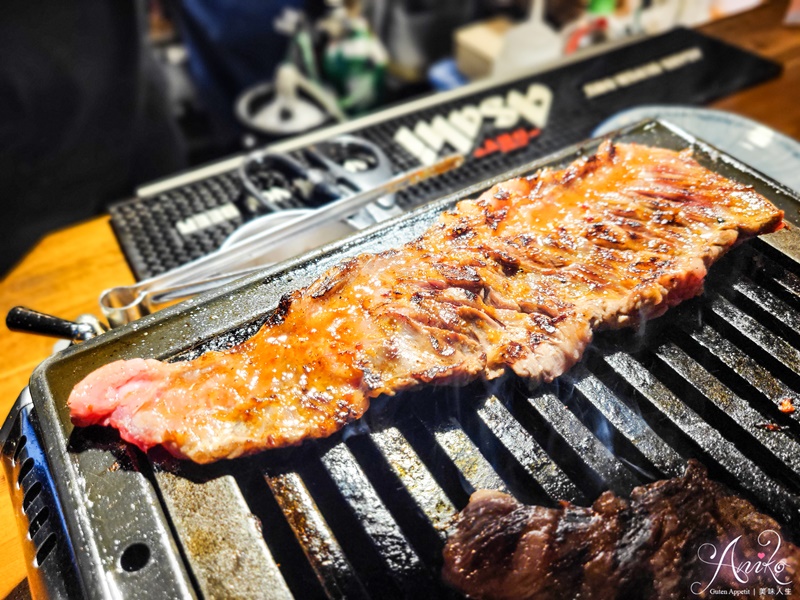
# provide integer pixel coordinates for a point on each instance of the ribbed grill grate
(364, 513)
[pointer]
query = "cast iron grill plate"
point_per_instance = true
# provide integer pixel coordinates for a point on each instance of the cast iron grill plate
(364, 513)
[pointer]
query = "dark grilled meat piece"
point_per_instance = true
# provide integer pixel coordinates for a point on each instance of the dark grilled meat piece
(648, 547)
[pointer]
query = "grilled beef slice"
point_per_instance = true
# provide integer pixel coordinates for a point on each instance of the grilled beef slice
(517, 279)
(648, 547)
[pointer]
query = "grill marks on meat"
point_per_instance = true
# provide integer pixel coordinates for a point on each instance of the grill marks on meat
(518, 279)
(646, 547)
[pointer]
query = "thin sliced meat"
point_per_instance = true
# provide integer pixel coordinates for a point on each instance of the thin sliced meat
(517, 279)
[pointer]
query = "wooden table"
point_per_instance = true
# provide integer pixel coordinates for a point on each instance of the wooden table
(63, 275)
(67, 270)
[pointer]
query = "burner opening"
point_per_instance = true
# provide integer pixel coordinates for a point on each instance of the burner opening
(135, 557)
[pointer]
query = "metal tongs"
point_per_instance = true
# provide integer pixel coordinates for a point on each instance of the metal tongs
(124, 304)
(324, 177)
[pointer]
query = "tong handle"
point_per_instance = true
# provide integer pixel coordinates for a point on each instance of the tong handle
(343, 207)
(26, 320)
(123, 304)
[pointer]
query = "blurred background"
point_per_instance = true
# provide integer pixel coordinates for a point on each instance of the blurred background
(97, 98)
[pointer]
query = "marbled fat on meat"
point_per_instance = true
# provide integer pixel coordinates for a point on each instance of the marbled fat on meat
(517, 279)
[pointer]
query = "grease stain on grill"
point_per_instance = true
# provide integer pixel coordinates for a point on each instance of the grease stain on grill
(225, 548)
(769, 308)
(318, 542)
(417, 479)
(591, 450)
(475, 469)
(769, 347)
(377, 521)
(224, 341)
(629, 422)
(744, 371)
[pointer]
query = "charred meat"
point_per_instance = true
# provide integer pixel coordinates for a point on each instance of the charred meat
(687, 537)
(517, 279)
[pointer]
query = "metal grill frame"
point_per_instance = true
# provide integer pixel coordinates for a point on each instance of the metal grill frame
(364, 513)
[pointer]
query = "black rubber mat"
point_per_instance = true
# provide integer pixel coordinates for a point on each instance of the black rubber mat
(162, 232)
